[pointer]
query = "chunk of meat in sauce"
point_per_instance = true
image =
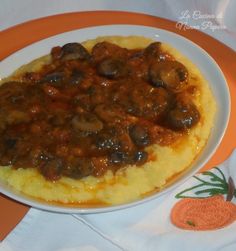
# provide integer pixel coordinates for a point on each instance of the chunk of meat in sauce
(12, 91)
(51, 169)
(87, 122)
(76, 77)
(139, 135)
(6, 153)
(111, 114)
(54, 77)
(77, 168)
(147, 102)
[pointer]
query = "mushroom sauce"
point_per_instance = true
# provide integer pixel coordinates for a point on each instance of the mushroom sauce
(91, 111)
(105, 122)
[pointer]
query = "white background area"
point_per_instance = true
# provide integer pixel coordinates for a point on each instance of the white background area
(212, 13)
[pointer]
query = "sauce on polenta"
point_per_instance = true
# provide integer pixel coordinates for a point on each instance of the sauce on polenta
(108, 120)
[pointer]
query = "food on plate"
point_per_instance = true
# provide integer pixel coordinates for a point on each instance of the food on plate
(103, 122)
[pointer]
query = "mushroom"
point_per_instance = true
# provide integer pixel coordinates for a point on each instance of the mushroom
(169, 74)
(183, 116)
(72, 51)
(112, 68)
(139, 135)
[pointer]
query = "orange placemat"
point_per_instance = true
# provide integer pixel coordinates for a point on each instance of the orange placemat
(24, 34)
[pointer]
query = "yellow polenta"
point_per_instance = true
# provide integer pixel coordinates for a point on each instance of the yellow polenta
(130, 183)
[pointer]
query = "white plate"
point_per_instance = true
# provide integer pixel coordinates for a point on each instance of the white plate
(198, 56)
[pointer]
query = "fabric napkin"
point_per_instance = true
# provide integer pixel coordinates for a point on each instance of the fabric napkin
(148, 226)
